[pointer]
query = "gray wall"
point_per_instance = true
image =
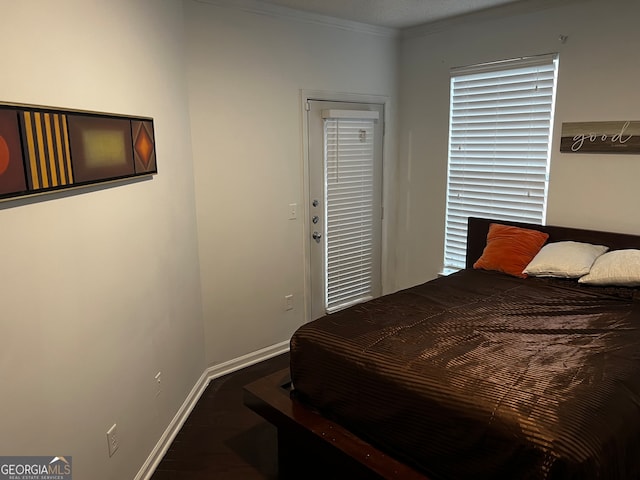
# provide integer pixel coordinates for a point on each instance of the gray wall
(100, 290)
(598, 81)
(246, 72)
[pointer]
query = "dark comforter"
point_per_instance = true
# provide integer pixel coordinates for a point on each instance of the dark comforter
(480, 375)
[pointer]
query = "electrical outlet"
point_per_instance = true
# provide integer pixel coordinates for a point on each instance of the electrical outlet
(288, 302)
(113, 439)
(158, 378)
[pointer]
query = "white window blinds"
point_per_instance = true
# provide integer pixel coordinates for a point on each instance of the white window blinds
(349, 174)
(499, 135)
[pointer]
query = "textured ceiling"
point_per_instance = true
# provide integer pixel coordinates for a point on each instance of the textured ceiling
(391, 13)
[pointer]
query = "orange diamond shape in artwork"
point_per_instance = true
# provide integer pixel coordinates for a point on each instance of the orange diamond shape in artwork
(144, 146)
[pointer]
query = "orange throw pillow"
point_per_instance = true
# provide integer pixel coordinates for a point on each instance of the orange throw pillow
(510, 249)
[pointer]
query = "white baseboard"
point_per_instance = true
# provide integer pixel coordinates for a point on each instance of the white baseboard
(190, 402)
(246, 360)
(172, 429)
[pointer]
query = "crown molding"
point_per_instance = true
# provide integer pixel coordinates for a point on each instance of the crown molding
(262, 8)
(502, 11)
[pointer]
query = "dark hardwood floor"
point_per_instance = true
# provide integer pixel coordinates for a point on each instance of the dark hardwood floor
(222, 439)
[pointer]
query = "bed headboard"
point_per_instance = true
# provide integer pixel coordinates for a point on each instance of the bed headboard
(477, 229)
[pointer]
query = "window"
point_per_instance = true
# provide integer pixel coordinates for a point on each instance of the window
(500, 126)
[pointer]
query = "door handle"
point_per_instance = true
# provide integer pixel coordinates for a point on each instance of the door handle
(317, 236)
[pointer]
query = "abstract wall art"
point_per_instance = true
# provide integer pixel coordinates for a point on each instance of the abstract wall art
(44, 149)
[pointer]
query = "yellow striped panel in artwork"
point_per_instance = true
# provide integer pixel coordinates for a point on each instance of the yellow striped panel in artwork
(47, 142)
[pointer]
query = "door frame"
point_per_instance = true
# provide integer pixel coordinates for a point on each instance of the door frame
(327, 96)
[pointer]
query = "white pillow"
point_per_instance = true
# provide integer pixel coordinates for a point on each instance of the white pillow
(618, 267)
(564, 259)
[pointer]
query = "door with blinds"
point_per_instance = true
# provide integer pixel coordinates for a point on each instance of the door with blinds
(345, 203)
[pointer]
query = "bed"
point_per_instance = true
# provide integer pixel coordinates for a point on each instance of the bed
(480, 374)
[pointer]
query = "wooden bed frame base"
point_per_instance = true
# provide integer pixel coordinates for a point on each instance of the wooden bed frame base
(313, 447)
